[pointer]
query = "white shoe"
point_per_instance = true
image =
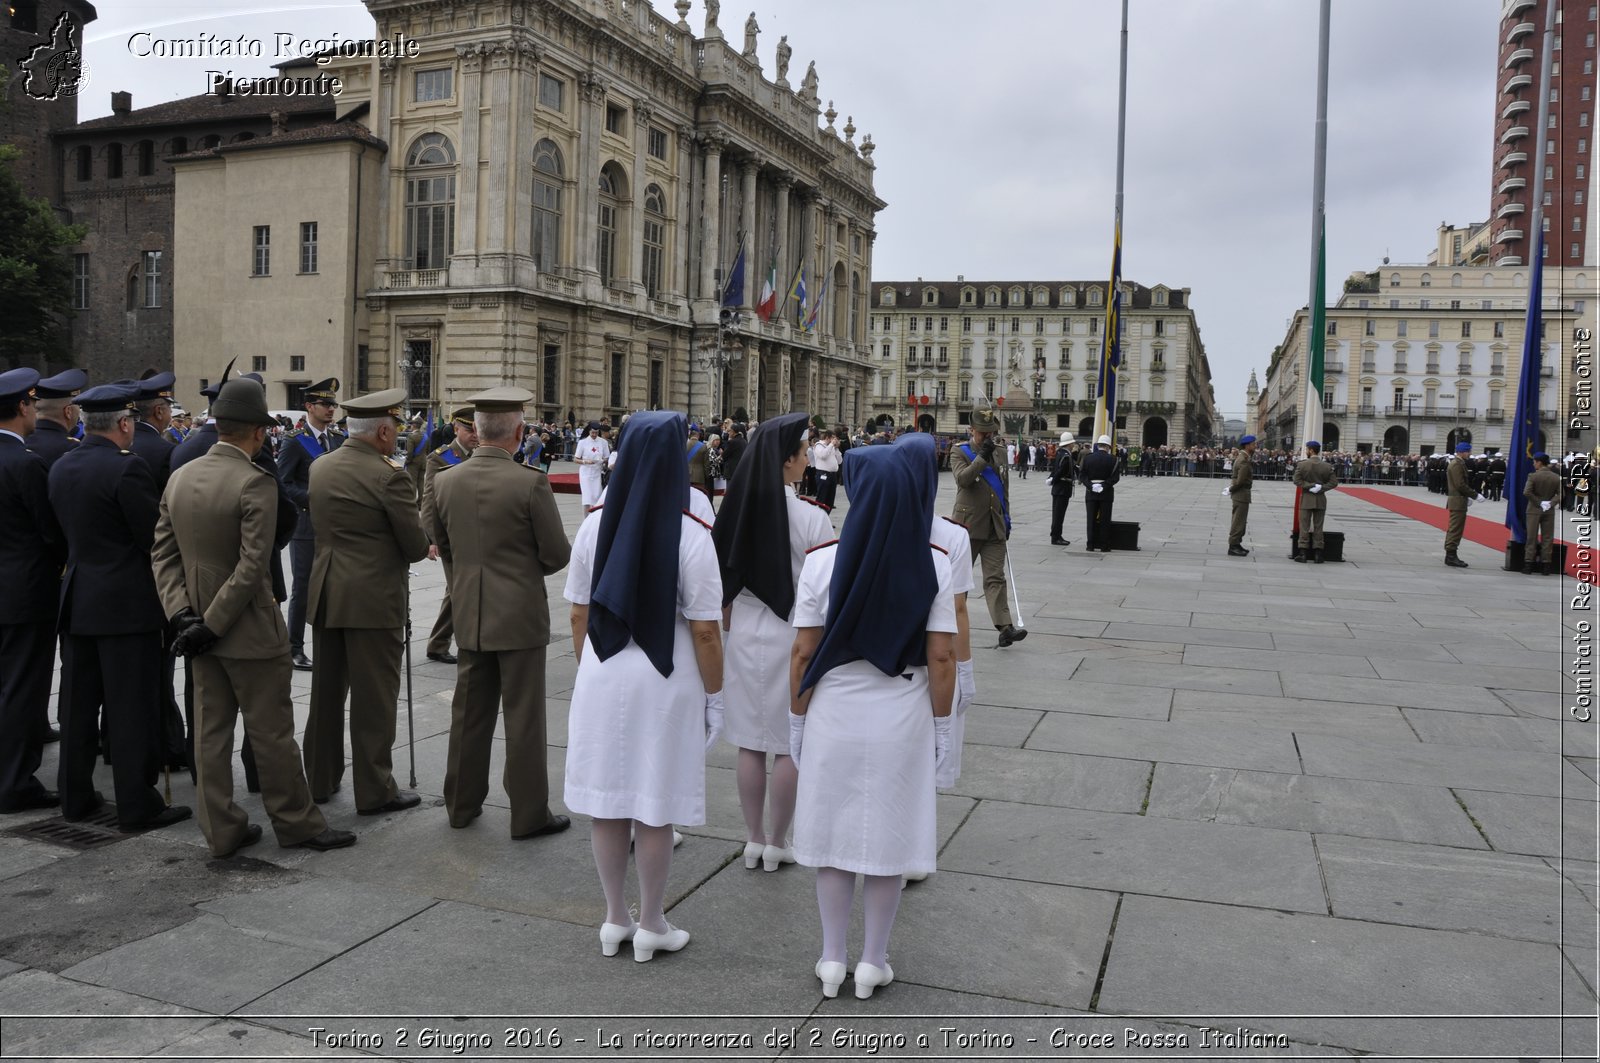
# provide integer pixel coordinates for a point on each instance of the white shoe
(677, 838)
(914, 876)
(832, 977)
(774, 857)
(752, 854)
(612, 935)
(867, 977)
(646, 944)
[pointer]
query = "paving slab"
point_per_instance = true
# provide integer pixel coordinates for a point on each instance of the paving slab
(1251, 711)
(46, 1013)
(1503, 771)
(1484, 674)
(1585, 960)
(993, 725)
(1309, 970)
(1179, 742)
(1486, 731)
(19, 855)
(1534, 826)
(1102, 850)
(1541, 703)
(322, 915)
(1396, 692)
(1450, 889)
(1180, 676)
(1083, 698)
(1316, 631)
(1312, 803)
(1042, 778)
(1198, 635)
(1287, 640)
(1293, 664)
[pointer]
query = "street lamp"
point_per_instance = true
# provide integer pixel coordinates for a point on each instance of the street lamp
(1411, 399)
(717, 354)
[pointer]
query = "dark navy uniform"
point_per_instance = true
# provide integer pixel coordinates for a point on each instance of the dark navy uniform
(31, 552)
(51, 439)
(105, 500)
(1099, 468)
(294, 467)
(152, 445)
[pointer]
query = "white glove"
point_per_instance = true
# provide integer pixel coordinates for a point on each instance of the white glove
(713, 719)
(943, 763)
(1227, 491)
(1544, 506)
(1480, 498)
(1097, 488)
(966, 686)
(1316, 489)
(797, 734)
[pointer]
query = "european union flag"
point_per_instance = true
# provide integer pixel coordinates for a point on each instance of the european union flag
(1525, 423)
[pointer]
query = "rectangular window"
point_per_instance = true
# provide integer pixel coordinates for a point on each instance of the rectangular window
(552, 92)
(614, 119)
(966, 324)
(1571, 254)
(152, 278)
(655, 254)
(297, 363)
(944, 356)
(1578, 172)
(433, 85)
(1161, 327)
(85, 163)
(1466, 330)
(261, 264)
(1372, 327)
(658, 373)
(1400, 329)
(114, 160)
(258, 363)
(911, 324)
(80, 282)
(1094, 326)
(1038, 326)
(1333, 328)
(885, 350)
(1433, 330)
(658, 143)
(944, 323)
(1016, 324)
(1399, 398)
(308, 247)
(1424, 303)
(1066, 389)
(1577, 197)
(363, 369)
(1394, 304)
(927, 324)
(550, 375)
(992, 328)
(1499, 330)
(1088, 389)
(618, 378)
(966, 391)
(1488, 304)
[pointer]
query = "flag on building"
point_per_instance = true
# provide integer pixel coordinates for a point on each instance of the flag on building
(733, 287)
(816, 309)
(797, 292)
(767, 305)
(1105, 420)
(1525, 423)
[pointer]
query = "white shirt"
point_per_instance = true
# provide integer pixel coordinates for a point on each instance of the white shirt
(826, 457)
(594, 450)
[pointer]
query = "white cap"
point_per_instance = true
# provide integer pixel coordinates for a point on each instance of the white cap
(1067, 437)
(1103, 441)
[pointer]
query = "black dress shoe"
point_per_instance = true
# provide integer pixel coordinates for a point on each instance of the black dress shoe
(1238, 551)
(252, 834)
(1006, 637)
(556, 825)
(328, 839)
(1060, 542)
(301, 662)
(95, 803)
(398, 803)
(325, 798)
(466, 820)
(53, 734)
(165, 818)
(1017, 633)
(35, 800)
(443, 658)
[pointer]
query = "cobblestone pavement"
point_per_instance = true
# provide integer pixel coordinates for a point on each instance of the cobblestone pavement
(1342, 808)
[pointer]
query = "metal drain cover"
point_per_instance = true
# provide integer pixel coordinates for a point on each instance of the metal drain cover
(94, 830)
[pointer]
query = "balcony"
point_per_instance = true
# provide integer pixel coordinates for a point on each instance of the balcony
(1515, 107)
(1516, 132)
(1508, 260)
(1336, 409)
(415, 278)
(1547, 370)
(1508, 209)
(1158, 367)
(1517, 6)
(1369, 367)
(1400, 368)
(1494, 416)
(1519, 31)
(1513, 158)
(1433, 369)
(1508, 236)
(1332, 367)
(1153, 406)
(1366, 411)
(1521, 55)
(1547, 415)
(1521, 81)
(1510, 184)
(1464, 369)
(1497, 369)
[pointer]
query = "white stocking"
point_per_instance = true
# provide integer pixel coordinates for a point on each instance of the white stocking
(880, 899)
(609, 839)
(652, 855)
(836, 891)
(752, 775)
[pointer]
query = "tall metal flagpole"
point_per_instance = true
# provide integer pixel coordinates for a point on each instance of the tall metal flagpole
(1311, 407)
(1105, 413)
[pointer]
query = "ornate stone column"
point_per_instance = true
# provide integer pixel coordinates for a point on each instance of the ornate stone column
(711, 214)
(472, 57)
(643, 115)
(590, 122)
(780, 251)
(391, 190)
(748, 172)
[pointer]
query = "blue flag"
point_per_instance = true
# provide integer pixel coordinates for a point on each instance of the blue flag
(733, 289)
(1525, 424)
(1111, 350)
(427, 434)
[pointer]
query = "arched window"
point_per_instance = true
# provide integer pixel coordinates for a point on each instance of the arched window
(83, 157)
(855, 304)
(147, 158)
(655, 240)
(613, 195)
(842, 311)
(547, 171)
(113, 160)
(212, 141)
(1096, 297)
(240, 138)
(1455, 280)
(430, 202)
(177, 146)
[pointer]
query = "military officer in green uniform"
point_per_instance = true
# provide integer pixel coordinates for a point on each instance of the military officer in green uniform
(1459, 494)
(1315, 478)
(1543, 492)
(983, 506)
(212, 558)
(1239, 493)
(367, 534)
(452, 454)
(496, 524)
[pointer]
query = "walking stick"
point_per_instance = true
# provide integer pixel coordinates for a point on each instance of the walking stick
(411, 722)
(1012, 576)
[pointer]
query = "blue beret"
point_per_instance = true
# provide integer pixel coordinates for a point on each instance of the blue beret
(1246, 440)
(1463, 448)
(18, 384)
(63, 385)
(122, 395)
(1312, 443)
(1542, 456)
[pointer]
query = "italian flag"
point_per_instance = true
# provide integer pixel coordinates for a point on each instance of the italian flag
(769, 294)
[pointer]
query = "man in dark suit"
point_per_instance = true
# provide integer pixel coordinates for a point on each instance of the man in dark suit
(294, 466)
(58, 415)
(1099, 476)
(150, 443)
(31, 552)
(105, 500)
(1063, 471)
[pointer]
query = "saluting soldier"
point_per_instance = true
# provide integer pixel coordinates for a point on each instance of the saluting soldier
(496, 525)
(983, 506)
(449, 456)
(1459, 494)
(1543, 492)
(1315, 478)
(57, 408)
(32, 549)
(105, 499)
(1239, 492)
(219, 515)
(367, 535)
(294, 464)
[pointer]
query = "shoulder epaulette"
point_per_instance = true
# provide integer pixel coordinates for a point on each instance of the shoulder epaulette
(820, 505)
(957, 523)
(697, 520)
(823, 546)
(941, 549)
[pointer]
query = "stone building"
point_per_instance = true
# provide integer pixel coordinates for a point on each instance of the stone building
(117, 179)
(1419, 358)
(566, 188)
(956, 342)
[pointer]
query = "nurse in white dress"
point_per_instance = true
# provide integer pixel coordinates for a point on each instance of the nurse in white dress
(591, 455)
(761, 515)
(873, 675)
(646, 602)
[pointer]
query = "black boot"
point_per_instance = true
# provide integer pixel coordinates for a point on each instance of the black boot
(1452, 560)
(1528, 567)
(1316, 556)
(1549, 568)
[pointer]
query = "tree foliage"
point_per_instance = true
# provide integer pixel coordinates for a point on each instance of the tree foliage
(35, 273)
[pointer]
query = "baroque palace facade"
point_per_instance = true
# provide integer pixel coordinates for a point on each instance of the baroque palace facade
(558, 192)
(1038, 345)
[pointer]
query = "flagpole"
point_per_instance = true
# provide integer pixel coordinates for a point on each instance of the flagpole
(1105, 414)
(1311, 408)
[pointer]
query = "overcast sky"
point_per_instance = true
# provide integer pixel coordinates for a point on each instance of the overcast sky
(996, 126)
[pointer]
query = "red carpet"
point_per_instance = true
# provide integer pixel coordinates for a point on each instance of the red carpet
(564, 483)
(1479, 530)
